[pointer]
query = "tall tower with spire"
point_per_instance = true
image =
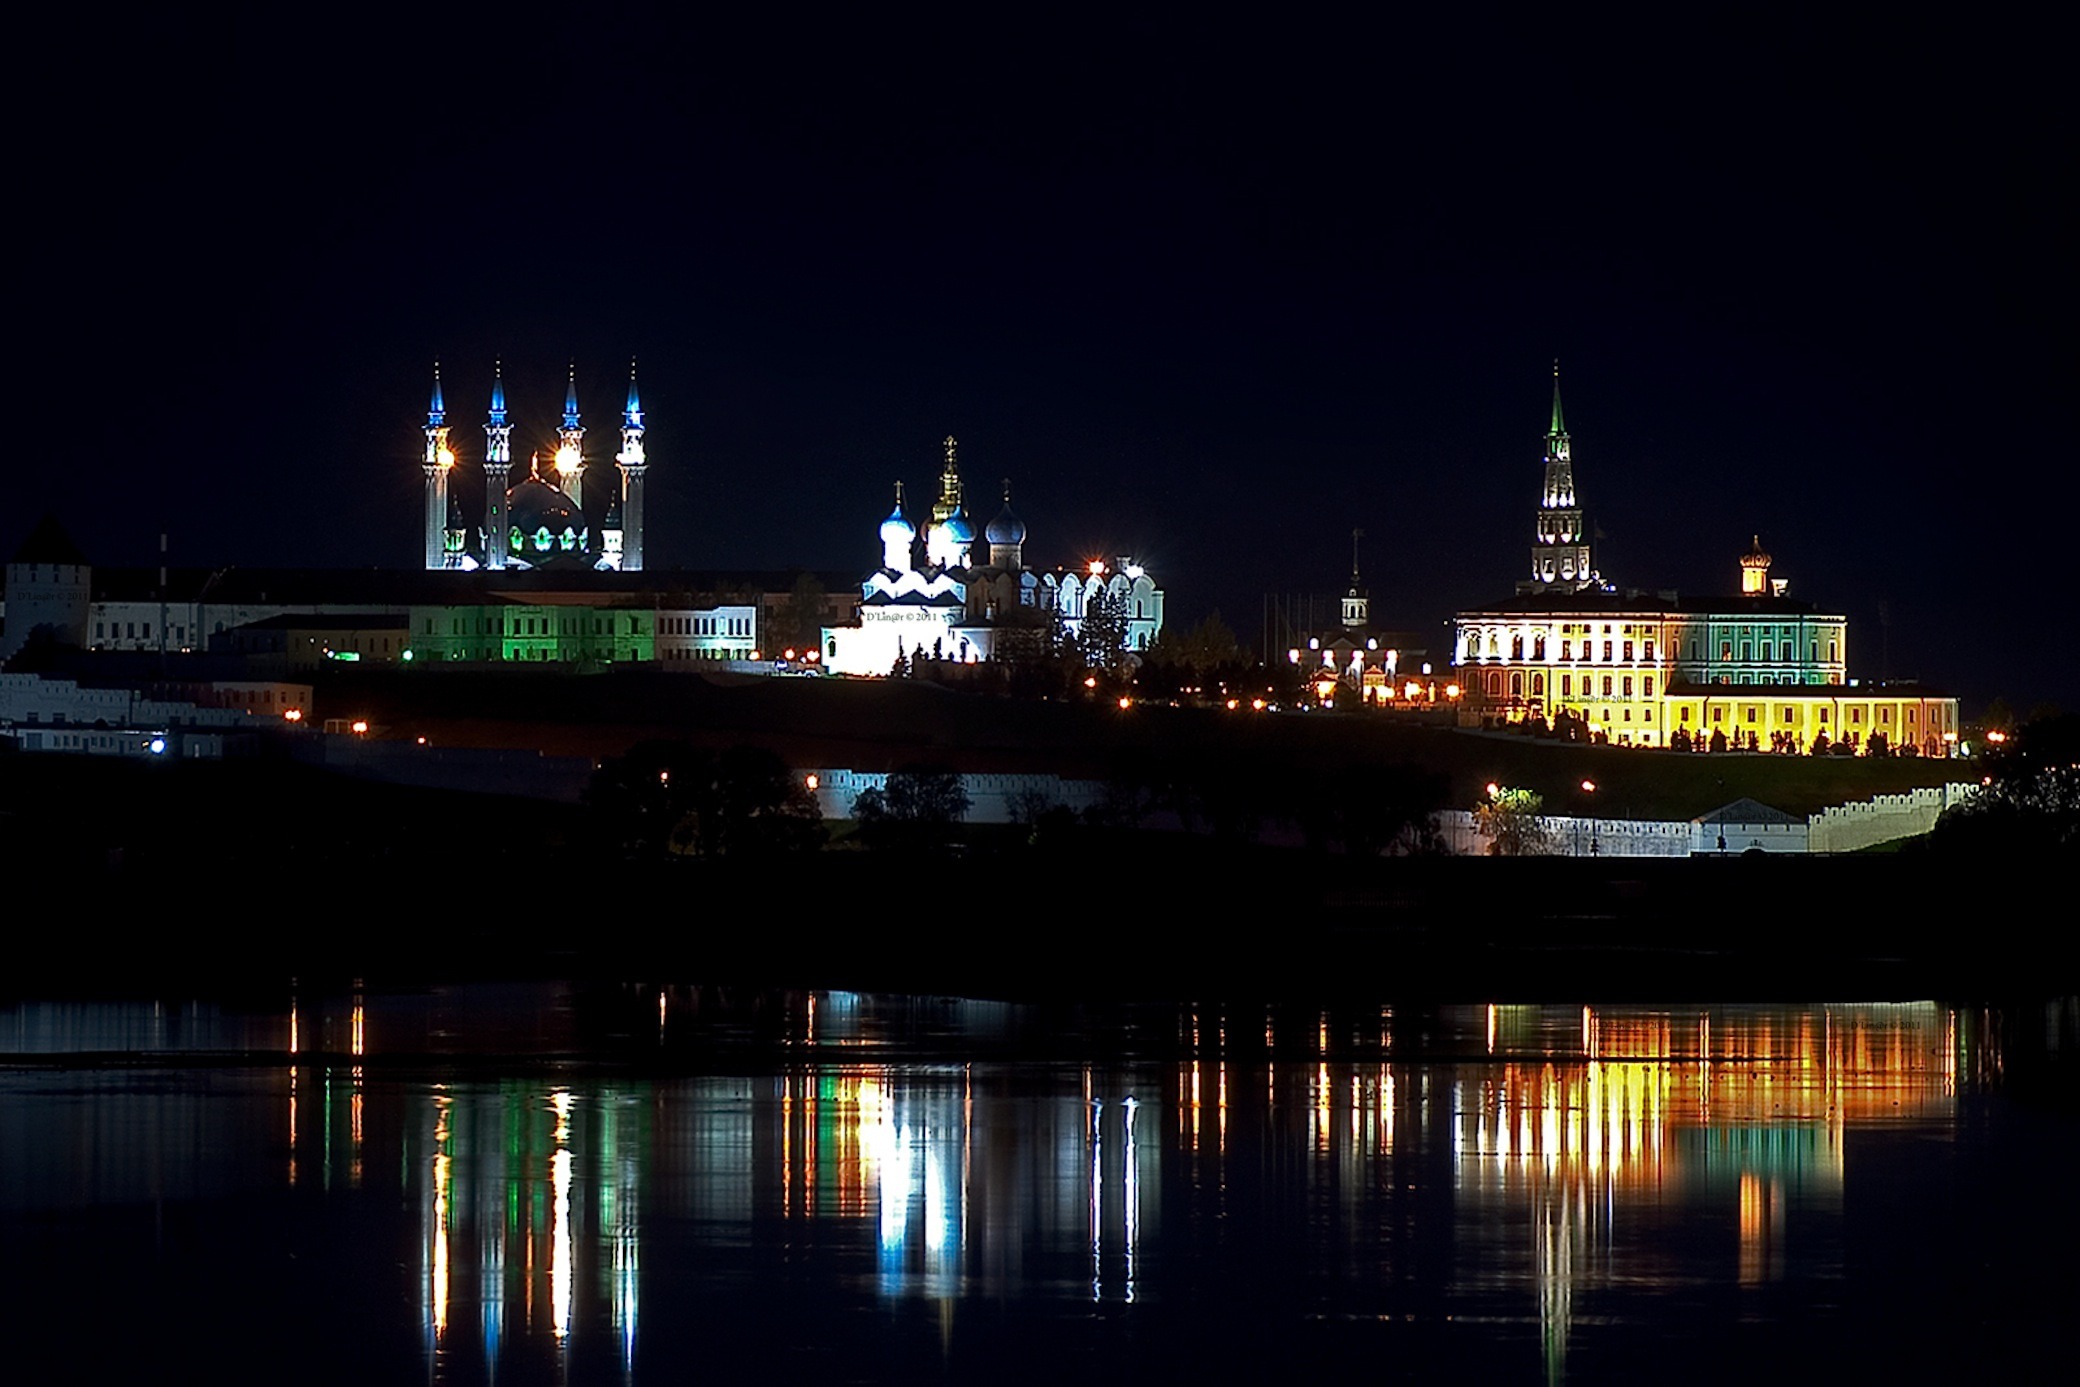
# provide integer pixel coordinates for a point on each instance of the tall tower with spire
(624, 530)
(1357, 605)
(498, 471)
(570, 444)
(440, 462)
(1560, 552)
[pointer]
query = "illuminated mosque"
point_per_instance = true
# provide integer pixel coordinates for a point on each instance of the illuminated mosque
(935, 597)
(547, 519)
(1758, 668)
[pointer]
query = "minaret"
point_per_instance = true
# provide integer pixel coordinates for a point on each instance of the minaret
(628, 536)
(1357, 607)
(570, 445)
(1560, 557)
(498, 469)
(440, 461)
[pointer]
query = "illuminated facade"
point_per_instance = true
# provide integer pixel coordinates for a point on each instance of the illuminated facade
(934, 598)
(1764, 670)
(571, 514)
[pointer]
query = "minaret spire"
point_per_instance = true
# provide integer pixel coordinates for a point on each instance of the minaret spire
(440, 461)
(570, 445)
(1559, 428)
(498, 470)
(622, 535)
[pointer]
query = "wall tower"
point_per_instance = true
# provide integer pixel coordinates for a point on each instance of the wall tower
(1560, 555)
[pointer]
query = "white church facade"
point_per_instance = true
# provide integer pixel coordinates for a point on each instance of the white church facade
(943, 593)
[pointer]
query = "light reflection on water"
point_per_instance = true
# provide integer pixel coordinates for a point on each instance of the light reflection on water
(1565, 1170)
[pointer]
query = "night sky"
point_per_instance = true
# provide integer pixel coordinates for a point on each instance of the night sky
(1210, 292)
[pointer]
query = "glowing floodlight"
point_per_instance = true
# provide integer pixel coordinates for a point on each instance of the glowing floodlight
(292, 715)
(811, 781)
(361, 727)
(1097, 567)
(567, 460)
(157, 746)
(446, 457)
(1590, 786)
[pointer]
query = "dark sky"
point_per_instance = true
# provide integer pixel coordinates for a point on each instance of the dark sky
(1210, 294)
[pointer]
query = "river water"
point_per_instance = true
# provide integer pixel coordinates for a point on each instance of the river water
(642, 1184)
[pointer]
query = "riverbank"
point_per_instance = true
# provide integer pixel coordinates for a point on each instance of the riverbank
(1127, 916)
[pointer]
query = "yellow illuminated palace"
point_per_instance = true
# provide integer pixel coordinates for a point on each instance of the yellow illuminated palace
(1762, 669)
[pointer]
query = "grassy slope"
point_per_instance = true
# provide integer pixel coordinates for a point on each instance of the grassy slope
(874, 725)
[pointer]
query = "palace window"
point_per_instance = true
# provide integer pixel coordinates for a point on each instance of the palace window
(1628, 686)
(1567, 650)
(1516, 647)
(1646, 687)
(1768, 651)
(1856, 715)
(1567, 686)
(1606, 686)
(1718, 715)
(1648, 653)
(1789, 716)
(1628, 650)
(1606, 650)
(1726, 650)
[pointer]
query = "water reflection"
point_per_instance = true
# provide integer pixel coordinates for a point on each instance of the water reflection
(1560, 1171)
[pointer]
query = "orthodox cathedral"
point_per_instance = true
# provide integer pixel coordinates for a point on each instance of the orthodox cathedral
(937, 596)
(546, 518)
